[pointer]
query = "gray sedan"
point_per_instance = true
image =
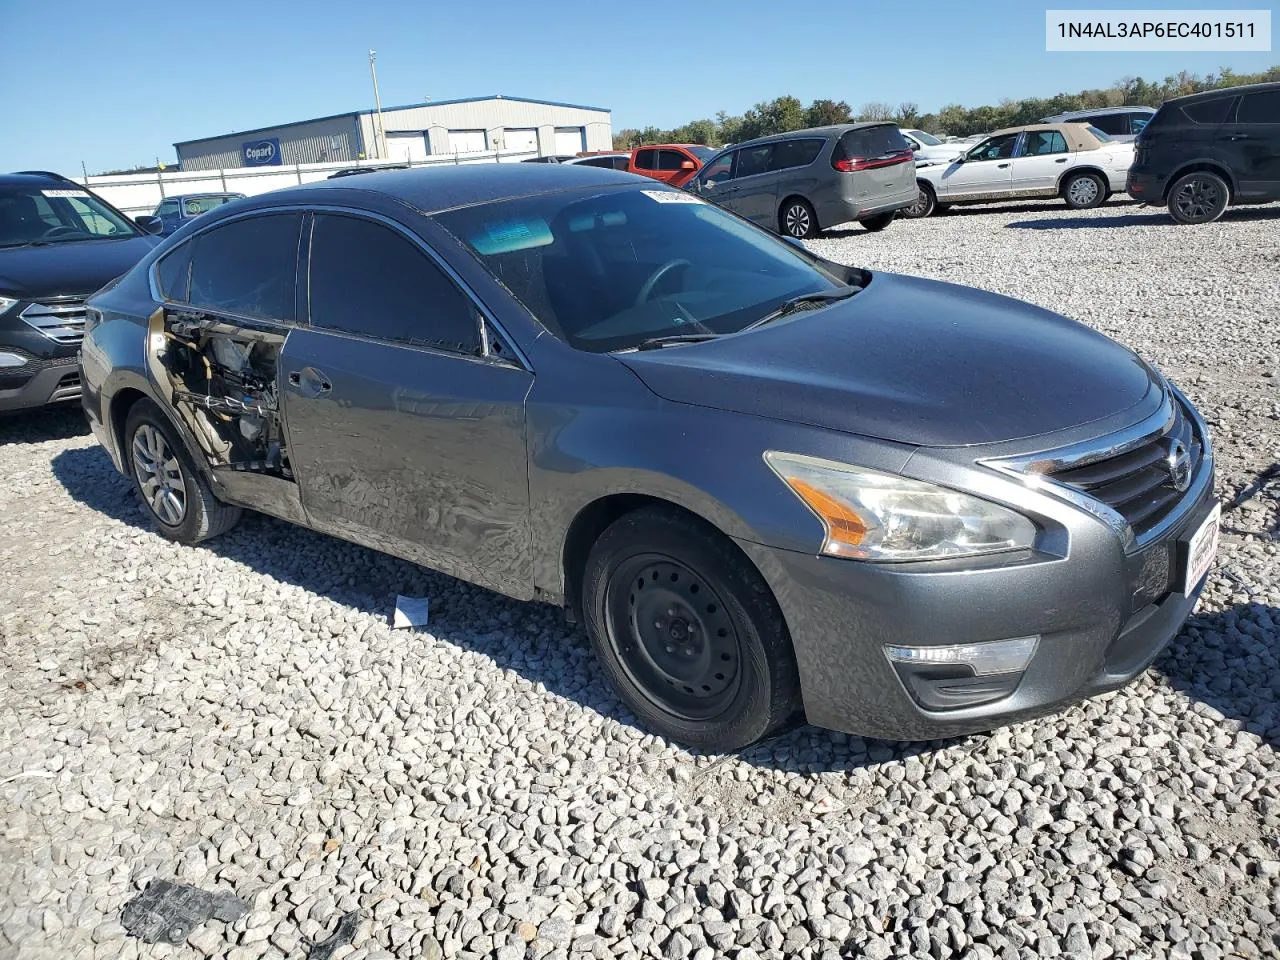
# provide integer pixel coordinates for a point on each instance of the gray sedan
(764, 482)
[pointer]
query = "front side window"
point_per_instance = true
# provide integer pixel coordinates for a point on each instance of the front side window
(646, 159)
(671, 160)
(369, 280)
(168, 208)
(248, 266)
(995, 148)
(1041, 143)
(57, 215)
(719, 170)
(1261, 107)
(795, 153)
(608, 269)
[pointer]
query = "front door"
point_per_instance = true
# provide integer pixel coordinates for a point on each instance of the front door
(987, 170)
(752, 191)
(1040, 162)
(714, 180)
(1252, 142)
(403, 434)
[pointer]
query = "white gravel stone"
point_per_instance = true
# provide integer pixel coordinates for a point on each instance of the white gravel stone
(242, 715)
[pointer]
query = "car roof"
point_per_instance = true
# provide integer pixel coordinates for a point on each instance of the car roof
(1077, 135)
(435, 189)
(1098, 111)
(827, 131)
(36, 178)
(1224, 92)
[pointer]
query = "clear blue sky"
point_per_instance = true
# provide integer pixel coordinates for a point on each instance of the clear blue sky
(117, 84)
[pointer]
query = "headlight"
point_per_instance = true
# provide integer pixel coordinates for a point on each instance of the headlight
(869, 515)
(6, 303)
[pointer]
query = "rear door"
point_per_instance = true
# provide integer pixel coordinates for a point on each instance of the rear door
(986, 170)
(1041, 159)
(1253, 137)
(406, 434)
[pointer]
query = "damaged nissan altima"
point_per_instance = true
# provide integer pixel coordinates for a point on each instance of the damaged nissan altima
(766, 484)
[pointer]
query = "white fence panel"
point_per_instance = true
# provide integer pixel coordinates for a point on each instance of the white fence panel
(139, 193)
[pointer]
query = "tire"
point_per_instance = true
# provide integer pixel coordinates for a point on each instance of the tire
(1198, 197)
(173, 493)
(925, 204)
(1084, 191)
(797, 219)
(704, 657)
(879, 222)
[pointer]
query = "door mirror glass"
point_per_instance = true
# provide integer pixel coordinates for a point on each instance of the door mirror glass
(688, 165)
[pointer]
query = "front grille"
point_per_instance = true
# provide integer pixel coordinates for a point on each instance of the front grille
(1139, 484)
(61, 320)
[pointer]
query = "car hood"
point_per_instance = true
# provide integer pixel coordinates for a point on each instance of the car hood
(943, 151)
(68, 269)
(910, 360)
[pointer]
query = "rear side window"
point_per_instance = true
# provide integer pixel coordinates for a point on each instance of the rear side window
(1209, 111)
(367, 279)
(870, 142)
(173, 273)
(1261, 107)
(645, 159)
(1040, 143)
(670, 159)
(795, 153)
(248, 266)
(753, 160)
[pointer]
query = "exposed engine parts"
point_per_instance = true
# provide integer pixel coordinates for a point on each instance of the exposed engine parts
(223, 383)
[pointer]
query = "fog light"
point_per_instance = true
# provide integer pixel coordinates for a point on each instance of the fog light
(986, 659)
(12, 360)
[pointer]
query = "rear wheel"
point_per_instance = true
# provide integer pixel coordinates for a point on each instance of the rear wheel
(879, 222)
(1199, 197)
(1084, 191)
(173, 493)
(925, 203)
(797, 219)
(688, 632)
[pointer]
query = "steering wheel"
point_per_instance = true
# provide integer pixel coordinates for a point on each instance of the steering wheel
(58, 231)
(647, 288)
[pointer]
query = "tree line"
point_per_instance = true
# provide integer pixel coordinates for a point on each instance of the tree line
(788, 113)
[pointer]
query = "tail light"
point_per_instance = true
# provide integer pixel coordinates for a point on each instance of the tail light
(853, 164)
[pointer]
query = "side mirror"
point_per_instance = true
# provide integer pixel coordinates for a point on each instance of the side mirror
(149, 224)
(915, 147)
(688, 165)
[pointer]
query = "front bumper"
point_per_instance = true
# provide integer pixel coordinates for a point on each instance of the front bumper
(1101, 615)
(41, 381)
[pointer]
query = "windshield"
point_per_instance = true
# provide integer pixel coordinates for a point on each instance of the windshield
(610, 269)
(928, 139)
(56, 215)
(702, 153)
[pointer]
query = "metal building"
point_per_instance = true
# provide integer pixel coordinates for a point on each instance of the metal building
(412, 132)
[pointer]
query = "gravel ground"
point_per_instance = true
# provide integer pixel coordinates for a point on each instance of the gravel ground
(241, 717)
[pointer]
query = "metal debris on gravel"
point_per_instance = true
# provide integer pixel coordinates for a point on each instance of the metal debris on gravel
(242, 716)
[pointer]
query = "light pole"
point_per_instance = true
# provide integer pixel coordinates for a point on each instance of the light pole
(381, 133)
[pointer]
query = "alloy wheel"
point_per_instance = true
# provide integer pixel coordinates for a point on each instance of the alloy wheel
(159, 475)
(673, 635)
(797, 220)
(1198, 199)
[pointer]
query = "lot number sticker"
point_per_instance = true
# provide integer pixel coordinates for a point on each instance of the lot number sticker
(63, 193)
(671, 196)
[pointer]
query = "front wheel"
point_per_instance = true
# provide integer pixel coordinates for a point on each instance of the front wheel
(925, 203)
(172, 491)
(1084, 191)
(797, 219)
(1199, 197)
(688, 632)
(879, 222)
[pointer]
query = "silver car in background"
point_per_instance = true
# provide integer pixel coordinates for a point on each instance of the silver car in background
(805, 181)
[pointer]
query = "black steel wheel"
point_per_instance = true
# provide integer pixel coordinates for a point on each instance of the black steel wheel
(1199, 197)
(687, 631)
(797, 219)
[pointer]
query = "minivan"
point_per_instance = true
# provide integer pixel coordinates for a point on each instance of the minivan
(804, 181)
(1205, 152)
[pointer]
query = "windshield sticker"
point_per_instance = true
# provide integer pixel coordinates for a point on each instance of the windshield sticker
(671, 196)
(63, 193)
(508, 236)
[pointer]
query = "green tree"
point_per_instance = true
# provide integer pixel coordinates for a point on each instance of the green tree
(823, 113)
(875, 110)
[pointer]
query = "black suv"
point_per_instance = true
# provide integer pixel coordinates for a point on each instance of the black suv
(58, 244)
(1202, 153)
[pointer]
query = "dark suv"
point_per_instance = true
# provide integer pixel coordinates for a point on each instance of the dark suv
(58, 244)
(1203, 153)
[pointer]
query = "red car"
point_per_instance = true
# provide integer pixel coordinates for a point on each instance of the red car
(673, 163)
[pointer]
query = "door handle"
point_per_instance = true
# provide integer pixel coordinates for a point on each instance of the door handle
(310, 381)
(1061, 160)
(1001, 166)
(1237, 136)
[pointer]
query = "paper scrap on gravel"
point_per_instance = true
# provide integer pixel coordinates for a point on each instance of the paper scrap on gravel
(411, 613)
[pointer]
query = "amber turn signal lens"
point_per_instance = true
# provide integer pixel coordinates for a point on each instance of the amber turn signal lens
(843, 525)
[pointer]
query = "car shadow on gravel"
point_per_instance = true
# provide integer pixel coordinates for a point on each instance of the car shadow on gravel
(61, 422)
(1219, 659)
(1150, 217)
